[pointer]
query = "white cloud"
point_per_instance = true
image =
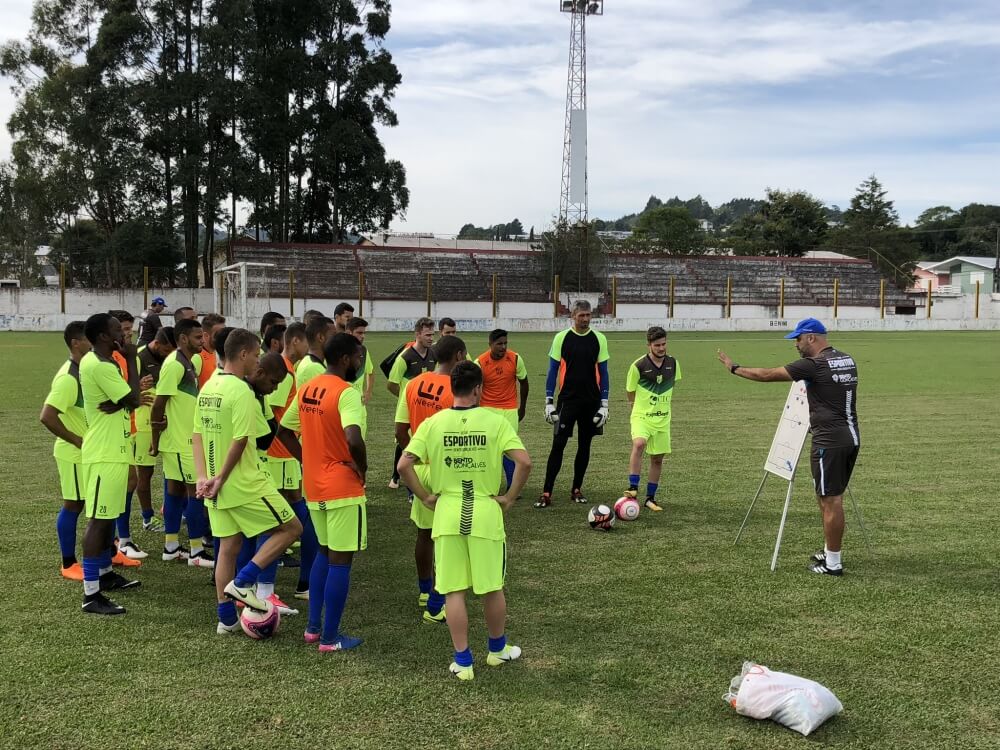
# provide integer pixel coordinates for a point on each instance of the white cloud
(719, 97)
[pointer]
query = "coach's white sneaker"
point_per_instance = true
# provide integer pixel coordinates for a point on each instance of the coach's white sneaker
(223, 629)
(132, 551)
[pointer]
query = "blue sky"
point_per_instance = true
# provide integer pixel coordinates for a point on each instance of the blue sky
(721, 97)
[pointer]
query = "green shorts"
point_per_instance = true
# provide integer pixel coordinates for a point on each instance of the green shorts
(142, 442)
(256, 516)
(178, 466)
(341, 525)
(285, 473)
(107, 484)
(509, 414)
(468, 562)
(72, 480)
(420, 514)
(657, 441)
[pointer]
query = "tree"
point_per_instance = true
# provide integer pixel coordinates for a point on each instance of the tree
(787, 223)
(574, 253)
(669, 229)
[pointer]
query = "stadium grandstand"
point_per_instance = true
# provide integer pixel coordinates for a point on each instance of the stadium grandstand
(465, 273)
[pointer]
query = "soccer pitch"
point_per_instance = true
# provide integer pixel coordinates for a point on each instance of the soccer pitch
(630, 638)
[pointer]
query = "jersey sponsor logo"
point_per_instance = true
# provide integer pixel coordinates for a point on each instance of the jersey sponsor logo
(844, 378)
(840, 363)
(313, 396)
(463, 462)
(431, 393)
(475, 440)
(210, 402)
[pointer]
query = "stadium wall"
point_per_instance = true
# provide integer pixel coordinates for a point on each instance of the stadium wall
(38, 310)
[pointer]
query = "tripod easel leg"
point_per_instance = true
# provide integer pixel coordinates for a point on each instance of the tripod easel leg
(781, 527)
(861, 521)
(750, 510)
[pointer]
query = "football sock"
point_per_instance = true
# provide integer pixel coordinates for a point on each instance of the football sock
(91, 575)
(651, 488)
(172, 509)
(582, 460)
(464, 658)
(124, 533)
(498, 644)
(435, 602)
(338, 582)
(309, 544)
(832, 559)
(227, 613)
(194, 514)
(170, 543)
(425, 585)
(633, 482)
(508, 470)
(248, 575)
(246, 553)
(66, 522)
(264, 590)
(268, 573)
(317, 591)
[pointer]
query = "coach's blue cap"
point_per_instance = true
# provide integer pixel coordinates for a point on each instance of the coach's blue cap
(159, 301)
(809, 325)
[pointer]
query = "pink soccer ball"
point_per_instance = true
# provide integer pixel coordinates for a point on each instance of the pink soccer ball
(627, 508)
(260, 625)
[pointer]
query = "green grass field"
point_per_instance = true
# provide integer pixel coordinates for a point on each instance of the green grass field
(630, 638)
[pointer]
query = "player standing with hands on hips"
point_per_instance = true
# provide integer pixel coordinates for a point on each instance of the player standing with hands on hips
(831, 379)
(578, 366)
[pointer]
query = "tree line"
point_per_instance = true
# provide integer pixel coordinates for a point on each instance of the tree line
(155, 119)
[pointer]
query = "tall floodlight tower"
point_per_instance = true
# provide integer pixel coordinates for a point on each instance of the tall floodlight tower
(573, 199)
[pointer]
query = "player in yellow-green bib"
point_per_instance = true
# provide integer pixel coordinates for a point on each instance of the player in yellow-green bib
(241, 500)
(172, 418)
(108, 399)
(63, 416)
(318, 330)
(649, 387)
(463, 448)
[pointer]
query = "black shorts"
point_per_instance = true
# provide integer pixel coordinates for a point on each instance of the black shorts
(832, 469)
(575, 413)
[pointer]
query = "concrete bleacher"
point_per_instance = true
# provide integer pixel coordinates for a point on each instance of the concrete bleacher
(400, 273)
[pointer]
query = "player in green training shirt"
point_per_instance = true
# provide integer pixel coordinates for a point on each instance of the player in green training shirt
(463, 448)
(172, 418)
(64, 417)
(242, 501)
(649, 387)
(108, 400)
(318, 330)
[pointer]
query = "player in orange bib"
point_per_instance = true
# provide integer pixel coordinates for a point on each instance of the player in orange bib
(426, 395)
(328, 415)
(503, 371)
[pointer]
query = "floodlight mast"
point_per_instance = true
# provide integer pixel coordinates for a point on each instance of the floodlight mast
(573, 197)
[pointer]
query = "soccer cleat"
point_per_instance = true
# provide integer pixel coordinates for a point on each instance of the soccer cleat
(99, 604)
(343, 643)
(438, 618)
(201, 559)
(821, 568)
(462, 673)
(818, 557)
(509, 653)
(631, 493)
(393, 484)
(121, 559)
(310, 638)
(114, 582)
(132, 551)
(181, 554)
(544, 501)
(208, 541)
(73, 572)
(651, 505)
(422, 600)
(283, 609)
(302, 594)
(223, 629)
(288, 560)
(577, 496)
(154, 524)
(245, 596)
